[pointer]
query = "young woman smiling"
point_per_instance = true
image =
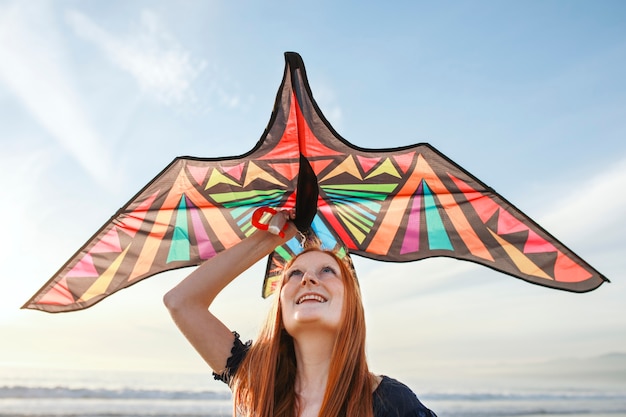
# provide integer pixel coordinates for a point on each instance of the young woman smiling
(309, 358)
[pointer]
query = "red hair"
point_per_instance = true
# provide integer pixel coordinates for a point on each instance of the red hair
(264, 385)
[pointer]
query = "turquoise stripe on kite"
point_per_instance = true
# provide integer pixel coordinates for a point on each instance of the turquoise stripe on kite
(437, 236)
(179, 249)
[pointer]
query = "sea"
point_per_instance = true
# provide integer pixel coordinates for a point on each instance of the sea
(65, 393)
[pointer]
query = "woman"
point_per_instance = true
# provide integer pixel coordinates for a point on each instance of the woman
(309, 359)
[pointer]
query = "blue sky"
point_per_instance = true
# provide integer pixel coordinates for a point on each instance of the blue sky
(97, 97)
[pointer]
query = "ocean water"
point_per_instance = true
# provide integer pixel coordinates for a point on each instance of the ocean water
(64, 393)
(40, 393)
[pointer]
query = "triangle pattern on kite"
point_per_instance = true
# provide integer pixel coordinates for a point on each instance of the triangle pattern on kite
(397, 205)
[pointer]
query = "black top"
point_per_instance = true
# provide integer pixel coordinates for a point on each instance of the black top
(390, 399)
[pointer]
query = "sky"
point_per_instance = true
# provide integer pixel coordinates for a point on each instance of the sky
(530, 97)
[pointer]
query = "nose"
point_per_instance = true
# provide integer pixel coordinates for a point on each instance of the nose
(308, 277)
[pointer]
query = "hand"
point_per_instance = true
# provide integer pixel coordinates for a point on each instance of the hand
(281, 224)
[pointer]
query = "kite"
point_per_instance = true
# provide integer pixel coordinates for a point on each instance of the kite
(401, 204)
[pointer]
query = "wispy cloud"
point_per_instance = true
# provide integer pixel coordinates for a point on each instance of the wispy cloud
(32, 67)
(151, 55)
(28, 166)
(595, 208)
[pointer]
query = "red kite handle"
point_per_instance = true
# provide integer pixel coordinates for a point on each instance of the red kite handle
(277, 224)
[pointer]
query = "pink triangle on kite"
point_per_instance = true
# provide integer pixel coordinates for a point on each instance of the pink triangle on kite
(234, 171)
(405, 161)
(109, 243)
(367, 163)
(509, 224)
(484, 206)
(566, 270)
(132, 222)
(537, 244)
(198, 173)
(58, 295)
(84, 268)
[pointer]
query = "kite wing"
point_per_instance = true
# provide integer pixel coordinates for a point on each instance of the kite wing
(411, 203)
(399, 205)
(192, 210)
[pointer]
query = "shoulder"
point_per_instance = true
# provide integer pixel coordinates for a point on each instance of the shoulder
(393, 398)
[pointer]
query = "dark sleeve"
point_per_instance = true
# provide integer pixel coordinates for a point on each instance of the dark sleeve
(394, 399)
(237, 354)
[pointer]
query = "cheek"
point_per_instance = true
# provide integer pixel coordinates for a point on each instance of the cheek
(339, 290)
(342, 300)
(341, 296)
(287, 292)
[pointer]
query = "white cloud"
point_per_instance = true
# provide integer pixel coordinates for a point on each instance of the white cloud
(595, 209)
(157, 62)
(25, 212)
(32, 67)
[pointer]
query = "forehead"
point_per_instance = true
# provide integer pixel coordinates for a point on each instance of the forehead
(314, 258)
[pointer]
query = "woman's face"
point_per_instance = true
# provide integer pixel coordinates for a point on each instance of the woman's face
(312, 293)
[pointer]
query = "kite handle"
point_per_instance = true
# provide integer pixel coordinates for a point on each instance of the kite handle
(277, 224)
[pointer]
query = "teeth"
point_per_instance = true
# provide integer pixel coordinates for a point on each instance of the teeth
(315, 297)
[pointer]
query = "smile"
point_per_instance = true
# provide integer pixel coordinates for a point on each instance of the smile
(311, 297)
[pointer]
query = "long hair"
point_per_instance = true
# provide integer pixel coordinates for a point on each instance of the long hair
(264, 385)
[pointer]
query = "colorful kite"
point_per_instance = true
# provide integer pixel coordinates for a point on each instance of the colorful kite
(397, 205)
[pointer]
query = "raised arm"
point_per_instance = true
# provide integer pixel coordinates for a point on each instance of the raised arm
(189, 302)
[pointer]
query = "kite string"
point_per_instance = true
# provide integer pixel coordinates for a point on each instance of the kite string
(302, 239)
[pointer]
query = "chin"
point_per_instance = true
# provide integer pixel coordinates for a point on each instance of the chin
(310, 323)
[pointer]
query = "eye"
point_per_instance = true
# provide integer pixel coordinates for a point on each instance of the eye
(329, 270)
(294, 273)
